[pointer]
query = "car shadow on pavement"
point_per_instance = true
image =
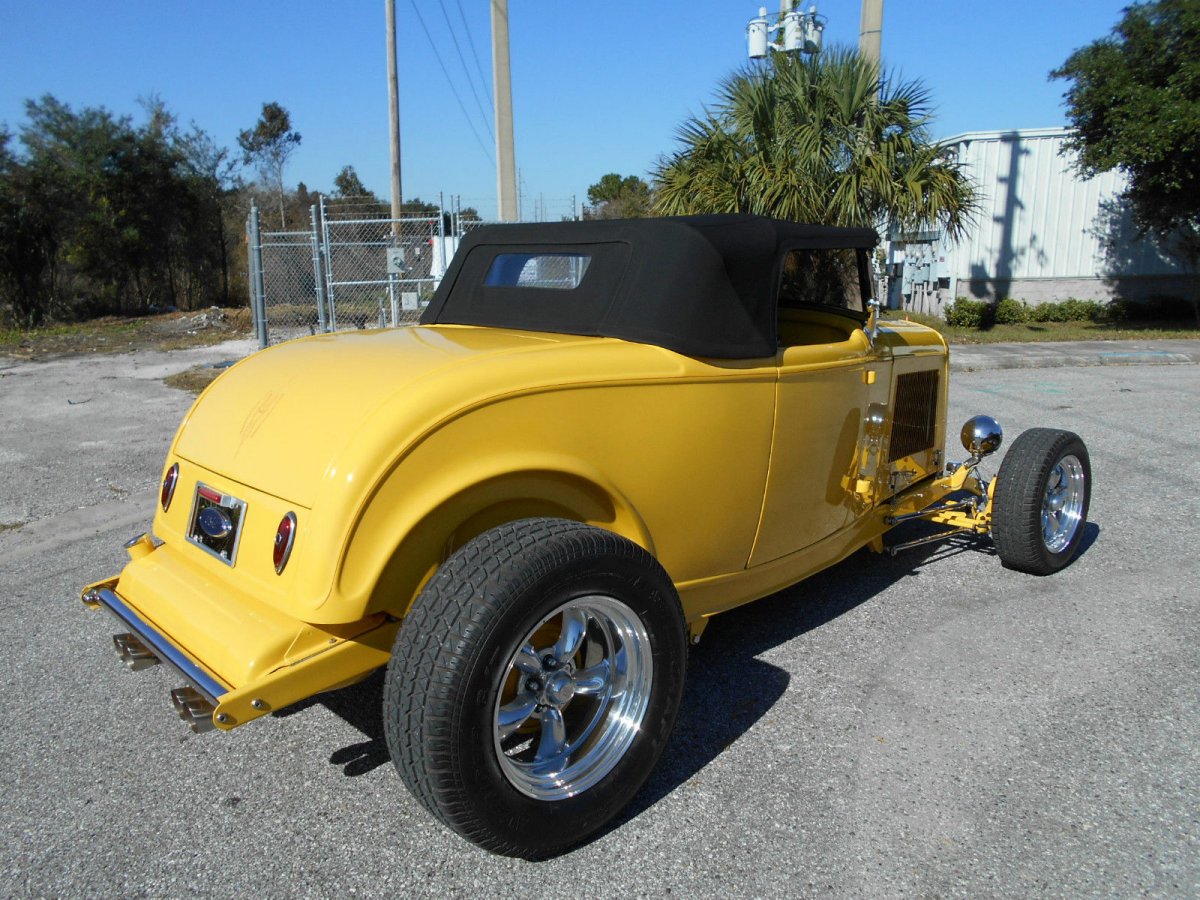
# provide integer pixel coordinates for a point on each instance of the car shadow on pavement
(729, 687)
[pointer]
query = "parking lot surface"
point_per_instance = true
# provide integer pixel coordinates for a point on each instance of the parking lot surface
(929, 725)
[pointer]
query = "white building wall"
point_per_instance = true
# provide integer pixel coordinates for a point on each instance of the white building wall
(1042, 231)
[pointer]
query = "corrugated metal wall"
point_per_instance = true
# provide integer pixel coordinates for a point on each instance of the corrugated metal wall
(1039, 219)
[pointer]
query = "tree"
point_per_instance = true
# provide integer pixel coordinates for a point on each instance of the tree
(614, 197)
(1134, 102)
(214, 181)
(98, 214)
(819, 140)
(347, 184)
(26, 242)
(268, 146)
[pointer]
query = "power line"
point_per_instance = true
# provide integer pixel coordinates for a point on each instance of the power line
(453, 89)
(475, 53)
(466, 71)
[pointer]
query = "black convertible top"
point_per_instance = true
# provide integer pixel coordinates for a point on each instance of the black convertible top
(699, 285)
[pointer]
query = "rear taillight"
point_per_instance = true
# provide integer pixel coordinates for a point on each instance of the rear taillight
(285, 536)
(168, 486)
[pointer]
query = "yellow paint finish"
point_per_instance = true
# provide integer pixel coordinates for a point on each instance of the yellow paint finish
(823, 396)
(229, 632)
(676, 466)
(283, 416)
(254, 570)
(394, 448)
(904, 338)
(409, 442)
(708, 596)
(337, 663)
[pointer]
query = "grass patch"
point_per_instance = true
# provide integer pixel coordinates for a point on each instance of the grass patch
(1027, 332)
(105, 328)
(195, 379)
(112, 334)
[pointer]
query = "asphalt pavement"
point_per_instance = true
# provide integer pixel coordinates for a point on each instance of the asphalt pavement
(929, 725)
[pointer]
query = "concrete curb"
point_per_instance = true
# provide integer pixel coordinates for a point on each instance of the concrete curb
(987, 357)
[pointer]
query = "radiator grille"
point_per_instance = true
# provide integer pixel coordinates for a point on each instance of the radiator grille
(914, 414)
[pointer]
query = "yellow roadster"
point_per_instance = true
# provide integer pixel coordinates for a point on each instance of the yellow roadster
(600, 435)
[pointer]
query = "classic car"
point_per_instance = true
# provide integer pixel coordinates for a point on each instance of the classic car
(600, 435)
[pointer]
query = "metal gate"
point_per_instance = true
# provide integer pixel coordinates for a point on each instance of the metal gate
(348, 269)
(379, 272)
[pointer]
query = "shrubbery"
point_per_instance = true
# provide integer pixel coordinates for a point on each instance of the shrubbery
(967, 313)
(964, 313)
(1011, 312)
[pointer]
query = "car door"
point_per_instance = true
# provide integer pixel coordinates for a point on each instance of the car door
(829, 375)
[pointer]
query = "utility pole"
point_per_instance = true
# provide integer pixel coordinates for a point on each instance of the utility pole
(393, 111)
(870, 32)
(506, 171)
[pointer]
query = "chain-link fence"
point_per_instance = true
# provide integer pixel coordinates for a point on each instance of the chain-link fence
(343, 272)
(285, 281)
(354, 267)
(380, 272)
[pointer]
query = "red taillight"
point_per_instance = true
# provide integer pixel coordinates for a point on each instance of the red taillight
(168, 486)
(285, 536)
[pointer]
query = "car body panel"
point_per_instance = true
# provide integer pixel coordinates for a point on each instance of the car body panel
(393, 448)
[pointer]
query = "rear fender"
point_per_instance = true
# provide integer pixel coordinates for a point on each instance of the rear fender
(397, 546)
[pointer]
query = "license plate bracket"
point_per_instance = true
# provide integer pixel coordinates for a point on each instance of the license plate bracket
(215, 523)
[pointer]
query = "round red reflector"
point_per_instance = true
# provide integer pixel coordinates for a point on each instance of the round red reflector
(168, 486)
(285, 536)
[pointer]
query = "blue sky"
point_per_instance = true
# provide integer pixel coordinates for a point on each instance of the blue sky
(597, 87)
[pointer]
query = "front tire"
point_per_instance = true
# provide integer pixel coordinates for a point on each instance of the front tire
(534, 684)
(1040, 508)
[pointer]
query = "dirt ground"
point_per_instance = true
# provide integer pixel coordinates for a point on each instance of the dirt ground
(91, 408)
(165, 332)
(124, 334)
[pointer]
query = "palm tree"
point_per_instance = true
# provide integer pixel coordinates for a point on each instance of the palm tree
(817, 140)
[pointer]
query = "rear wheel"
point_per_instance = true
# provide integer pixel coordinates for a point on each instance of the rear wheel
(535, 683)
(1040, 508)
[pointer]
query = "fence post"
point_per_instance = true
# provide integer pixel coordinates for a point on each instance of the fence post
(318, 277)
(441, 254)
(258, 304)
(394, 281)
(329, 298)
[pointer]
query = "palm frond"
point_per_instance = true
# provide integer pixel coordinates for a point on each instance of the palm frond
(829, 139)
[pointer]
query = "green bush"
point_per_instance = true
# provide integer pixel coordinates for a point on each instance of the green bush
(965, 313)
(1069, 310)
(1116, 311)
(1011, 312)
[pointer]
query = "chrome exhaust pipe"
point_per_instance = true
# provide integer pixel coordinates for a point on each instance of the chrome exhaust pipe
(194, 709)
(132, 652)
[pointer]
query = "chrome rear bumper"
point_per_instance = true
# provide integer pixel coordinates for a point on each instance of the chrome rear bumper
(195, 704)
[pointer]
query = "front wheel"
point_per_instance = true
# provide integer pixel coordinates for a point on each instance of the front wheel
(1040, 507)
(535, 683)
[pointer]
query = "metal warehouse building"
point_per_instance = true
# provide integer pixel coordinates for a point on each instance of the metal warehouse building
(1042, 233)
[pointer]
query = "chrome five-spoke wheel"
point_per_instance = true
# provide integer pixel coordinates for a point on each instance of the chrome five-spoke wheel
(573, 697)
(534, 684)
(1062, 503)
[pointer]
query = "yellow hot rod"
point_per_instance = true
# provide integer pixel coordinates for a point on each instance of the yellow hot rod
(600, 435)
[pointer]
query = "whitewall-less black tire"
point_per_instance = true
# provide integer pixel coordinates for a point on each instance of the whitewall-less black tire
(1040, 508)
(535, 683)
